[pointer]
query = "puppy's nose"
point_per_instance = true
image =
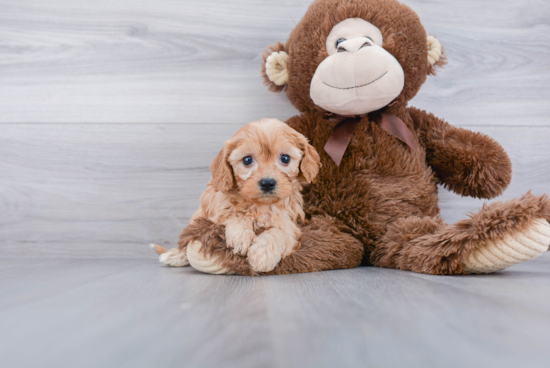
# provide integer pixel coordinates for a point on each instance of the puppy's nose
(267, 184)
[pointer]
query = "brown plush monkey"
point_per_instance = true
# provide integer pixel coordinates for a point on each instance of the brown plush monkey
(350, 67)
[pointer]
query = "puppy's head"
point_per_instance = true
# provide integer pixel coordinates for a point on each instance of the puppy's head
(264, 162)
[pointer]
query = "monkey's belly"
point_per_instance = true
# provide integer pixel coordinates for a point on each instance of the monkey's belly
(366, 201)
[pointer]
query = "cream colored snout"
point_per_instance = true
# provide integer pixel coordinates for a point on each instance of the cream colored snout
(360, 77)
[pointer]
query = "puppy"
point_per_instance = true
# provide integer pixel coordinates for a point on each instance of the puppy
(255, 192)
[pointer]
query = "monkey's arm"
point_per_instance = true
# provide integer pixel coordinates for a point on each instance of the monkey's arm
(468, 163)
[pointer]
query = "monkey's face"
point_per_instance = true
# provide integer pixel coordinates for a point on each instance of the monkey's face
(352, 57)
(358, 76)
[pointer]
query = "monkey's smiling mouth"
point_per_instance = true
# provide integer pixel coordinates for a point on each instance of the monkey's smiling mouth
(371, 82)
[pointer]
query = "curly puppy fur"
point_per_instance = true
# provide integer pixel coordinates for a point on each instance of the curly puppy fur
(380, 206)
(259, 222)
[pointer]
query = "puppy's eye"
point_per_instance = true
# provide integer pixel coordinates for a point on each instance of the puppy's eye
(340, 41)
(247, 161)
(285, 159)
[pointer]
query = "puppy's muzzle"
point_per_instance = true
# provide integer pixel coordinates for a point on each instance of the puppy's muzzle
(267, 185)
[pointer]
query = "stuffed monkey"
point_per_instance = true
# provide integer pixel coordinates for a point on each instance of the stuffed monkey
(350, 67)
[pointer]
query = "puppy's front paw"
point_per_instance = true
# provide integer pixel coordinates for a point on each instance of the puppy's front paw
(239, 239)
(264, 254)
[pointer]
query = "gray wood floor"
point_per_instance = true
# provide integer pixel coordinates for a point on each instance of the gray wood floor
(135, 313)
(110, 112)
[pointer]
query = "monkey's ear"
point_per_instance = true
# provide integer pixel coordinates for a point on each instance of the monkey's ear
(436, 57)
(275, 67)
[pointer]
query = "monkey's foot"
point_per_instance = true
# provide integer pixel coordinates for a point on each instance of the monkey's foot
(175, 258)
(512, 249)
(207, 263)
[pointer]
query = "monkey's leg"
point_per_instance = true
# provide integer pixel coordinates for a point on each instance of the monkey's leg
(498, 236)
(323, 247)
(176, 257)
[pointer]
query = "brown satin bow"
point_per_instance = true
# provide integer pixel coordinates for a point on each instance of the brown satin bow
(341, 134)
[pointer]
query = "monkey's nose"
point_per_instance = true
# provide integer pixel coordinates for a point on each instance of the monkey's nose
(267, 185)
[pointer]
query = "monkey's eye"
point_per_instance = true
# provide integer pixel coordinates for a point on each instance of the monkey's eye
(285, 159)
(247, 161)
(340, 41)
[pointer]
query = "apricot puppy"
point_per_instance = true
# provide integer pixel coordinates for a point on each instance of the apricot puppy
(255, 192)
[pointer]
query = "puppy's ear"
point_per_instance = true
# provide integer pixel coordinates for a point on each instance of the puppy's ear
(222, 173)
(309, 167)
(275, 67)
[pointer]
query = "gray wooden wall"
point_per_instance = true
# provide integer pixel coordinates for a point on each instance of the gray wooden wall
(111, 110)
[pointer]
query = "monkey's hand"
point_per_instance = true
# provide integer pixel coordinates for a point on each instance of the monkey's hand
(468, 163)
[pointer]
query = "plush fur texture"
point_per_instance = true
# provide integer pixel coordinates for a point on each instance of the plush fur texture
(324, 246)
(380, 206)
(428, 245)
(404, 38)
(260, 224)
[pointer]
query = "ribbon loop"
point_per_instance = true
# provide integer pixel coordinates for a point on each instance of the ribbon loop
(341, 134)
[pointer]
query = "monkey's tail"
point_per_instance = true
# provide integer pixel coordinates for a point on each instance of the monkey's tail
(158, 249)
